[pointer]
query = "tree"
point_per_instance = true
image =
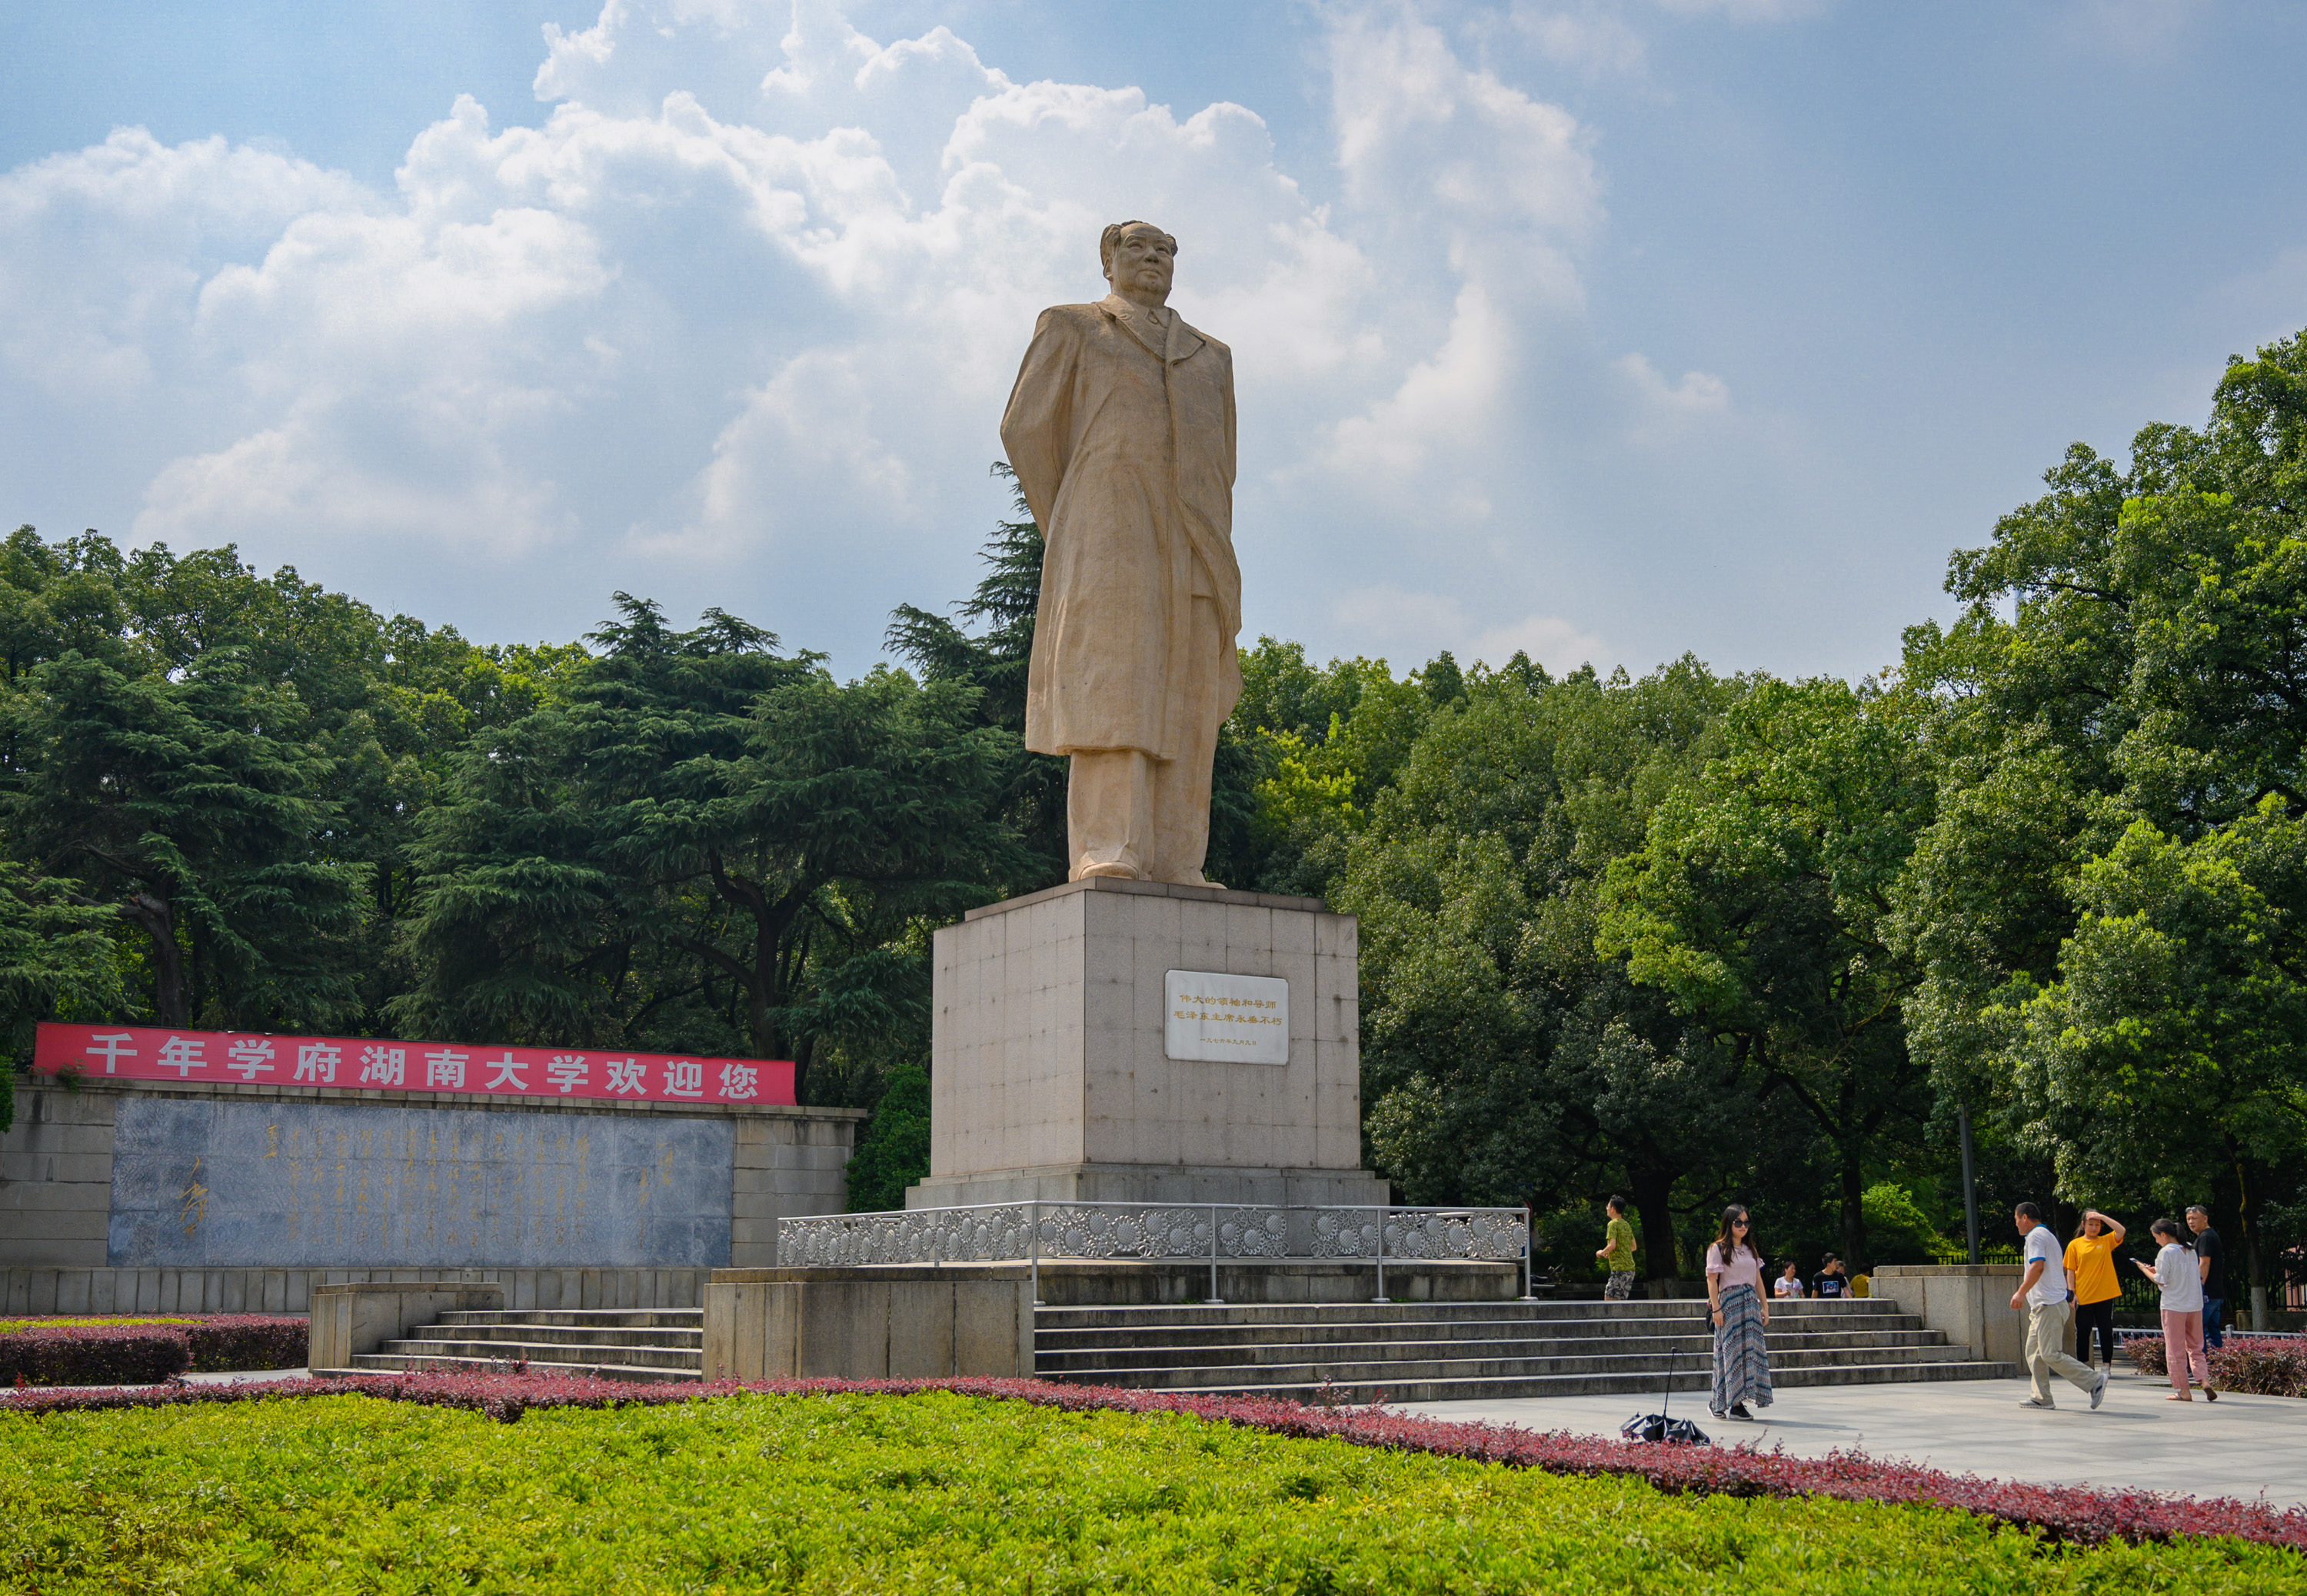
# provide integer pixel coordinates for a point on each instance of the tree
(706, 838)
(1760, 901)
(894, 1152)
(57, 961)
(1032, 793)
(1503, 1059)
(2123, 710)
(193, 808)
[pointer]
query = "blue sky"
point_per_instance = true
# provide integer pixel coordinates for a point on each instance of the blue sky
(1606, 329)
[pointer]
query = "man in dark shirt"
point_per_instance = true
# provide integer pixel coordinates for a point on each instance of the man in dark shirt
(2211, 1258)
(1831, 1281)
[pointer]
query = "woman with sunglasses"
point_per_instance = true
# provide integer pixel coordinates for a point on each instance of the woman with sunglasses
(1742, 1315)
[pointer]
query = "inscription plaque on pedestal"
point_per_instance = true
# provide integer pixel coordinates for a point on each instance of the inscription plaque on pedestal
(1242, 1020)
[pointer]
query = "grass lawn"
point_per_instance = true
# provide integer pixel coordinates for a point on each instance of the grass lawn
(935, 1492)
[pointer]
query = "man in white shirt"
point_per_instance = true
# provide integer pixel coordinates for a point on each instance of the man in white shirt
(2046, 1291)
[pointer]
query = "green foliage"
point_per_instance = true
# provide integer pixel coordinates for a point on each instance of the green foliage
(894, 1151)
(1898, 1230)
(1761, 902)
(707, 841)
(937, 1492)
(1503, 1059)
(2106, 910)
(57, 961)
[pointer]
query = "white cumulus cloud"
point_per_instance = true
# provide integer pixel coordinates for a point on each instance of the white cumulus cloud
(735, 322)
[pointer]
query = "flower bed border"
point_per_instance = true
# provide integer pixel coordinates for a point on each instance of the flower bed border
(102, 1355)
(2076, 1514)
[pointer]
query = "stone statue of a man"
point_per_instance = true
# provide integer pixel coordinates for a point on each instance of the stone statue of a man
(1121, 431)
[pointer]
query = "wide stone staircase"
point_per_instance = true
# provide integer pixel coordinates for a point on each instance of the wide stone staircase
(617, 1343)
(1351, 1352)
(1433, 1352)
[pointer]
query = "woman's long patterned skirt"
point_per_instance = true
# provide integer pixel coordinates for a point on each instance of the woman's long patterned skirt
(1742, 1362)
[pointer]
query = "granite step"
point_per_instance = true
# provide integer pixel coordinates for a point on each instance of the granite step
(1601, 1316)
(555, 1353)
(1919, 1344)
(1221, 1334)
(654, 1335)
(1335, 1351)
(438, 1363)
(1500, 1365)
(1638, 1389)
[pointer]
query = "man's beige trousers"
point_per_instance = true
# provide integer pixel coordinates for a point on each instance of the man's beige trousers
(2047, 1350)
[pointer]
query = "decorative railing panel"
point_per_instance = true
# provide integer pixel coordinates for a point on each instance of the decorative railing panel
(1031, 1232)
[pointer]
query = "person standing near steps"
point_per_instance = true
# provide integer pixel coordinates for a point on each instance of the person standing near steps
(2181, 1281)
(1617, 1252)
(2042, 1291)
(2212, 1263)
(1742, 1317)
(2091, 1265)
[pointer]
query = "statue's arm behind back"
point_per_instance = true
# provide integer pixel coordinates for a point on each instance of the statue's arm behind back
(1036, 428)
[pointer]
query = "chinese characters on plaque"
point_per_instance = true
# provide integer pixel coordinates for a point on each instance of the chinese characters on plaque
(1244, 1019)
(146, 1054)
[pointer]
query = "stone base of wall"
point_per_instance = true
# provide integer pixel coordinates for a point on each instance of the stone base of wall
(1971, 1302)
(869, 1324)
(291, 1291)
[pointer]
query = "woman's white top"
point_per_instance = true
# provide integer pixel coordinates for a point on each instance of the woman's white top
(1787, 1288)
(2176, 1271)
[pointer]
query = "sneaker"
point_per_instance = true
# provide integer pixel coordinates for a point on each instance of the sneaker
(1717, 1413)
(2098, 1389)
(2034, 1402)
(1738, 1411)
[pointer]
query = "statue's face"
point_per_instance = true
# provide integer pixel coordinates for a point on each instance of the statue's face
(1142, 259)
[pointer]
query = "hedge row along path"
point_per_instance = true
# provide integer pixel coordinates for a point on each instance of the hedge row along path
(2069, 1514)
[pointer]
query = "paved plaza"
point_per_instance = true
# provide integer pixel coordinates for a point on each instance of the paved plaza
(2236, 1447)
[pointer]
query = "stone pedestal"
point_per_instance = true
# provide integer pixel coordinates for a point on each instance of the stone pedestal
(1053, 1076)
(1971, 1302)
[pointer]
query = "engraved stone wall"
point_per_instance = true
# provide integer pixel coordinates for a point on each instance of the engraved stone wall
(225, 1183)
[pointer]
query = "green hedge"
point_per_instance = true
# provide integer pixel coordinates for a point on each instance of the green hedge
(938, 1492)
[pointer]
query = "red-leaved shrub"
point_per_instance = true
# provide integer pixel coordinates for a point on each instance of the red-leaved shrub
(2058, 1512)
(2255, 1365)
(143, 1354)
(249, 1341)
(93, 1355)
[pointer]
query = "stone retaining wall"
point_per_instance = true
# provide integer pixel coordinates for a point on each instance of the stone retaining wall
(214, 1197)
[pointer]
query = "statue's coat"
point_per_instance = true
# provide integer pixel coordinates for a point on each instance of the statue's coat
(1126, 455)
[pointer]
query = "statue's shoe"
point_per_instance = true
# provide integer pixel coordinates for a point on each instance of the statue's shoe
(1118, 872)
(1195, 878)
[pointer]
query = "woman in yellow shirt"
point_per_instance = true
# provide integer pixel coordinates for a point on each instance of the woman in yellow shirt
(2090, 1273)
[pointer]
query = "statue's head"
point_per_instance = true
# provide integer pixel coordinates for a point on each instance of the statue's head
(1137, 258)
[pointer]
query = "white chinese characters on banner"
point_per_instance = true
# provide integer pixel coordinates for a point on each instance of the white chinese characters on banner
(235, 1060)
(1236, 1019)
(505, 1072)
(384, 1066)
(250, 1056)
(110, 1049)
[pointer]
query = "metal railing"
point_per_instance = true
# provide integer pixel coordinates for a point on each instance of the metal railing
(1274, 1233)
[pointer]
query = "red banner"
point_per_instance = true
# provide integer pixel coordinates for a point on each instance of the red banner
(135, 1052)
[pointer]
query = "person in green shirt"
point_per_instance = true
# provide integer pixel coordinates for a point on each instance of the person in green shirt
(1617, 1252)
